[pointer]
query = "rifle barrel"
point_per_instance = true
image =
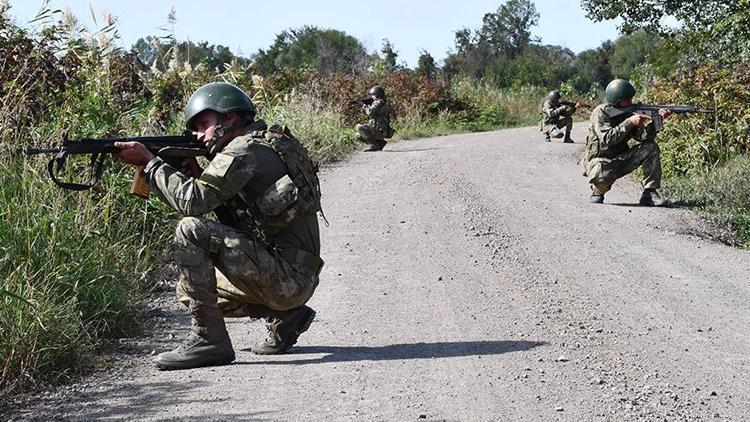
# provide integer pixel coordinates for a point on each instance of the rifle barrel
(35, 151)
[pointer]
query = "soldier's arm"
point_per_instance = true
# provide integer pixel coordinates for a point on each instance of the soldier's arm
(608, 134)
(374, 108)
(220, 181)
(548, 110)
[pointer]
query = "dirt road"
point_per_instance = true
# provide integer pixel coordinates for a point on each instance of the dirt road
(467, 278)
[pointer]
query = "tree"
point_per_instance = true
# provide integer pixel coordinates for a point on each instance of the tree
(389, 55)
(309, 47)
(718, 29)
(426, 65)
(154, 50)
(504, 35)
(508, 31)
(630, 52)
(592, 67)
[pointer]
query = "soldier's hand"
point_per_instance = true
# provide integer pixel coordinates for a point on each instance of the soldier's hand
(190, 168)
(133, 153)
(578, 104)
(638, 120)
(665, 113)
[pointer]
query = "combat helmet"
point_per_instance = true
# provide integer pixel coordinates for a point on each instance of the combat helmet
(554, 95)
(377, 91)
(618, 89)
(220, 97)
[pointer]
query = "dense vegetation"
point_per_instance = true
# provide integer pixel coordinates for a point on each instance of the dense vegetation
(73, 265)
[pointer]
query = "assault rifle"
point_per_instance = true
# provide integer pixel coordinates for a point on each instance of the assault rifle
(575, 104)
(364, 101)
(171, 148)
(652, 111)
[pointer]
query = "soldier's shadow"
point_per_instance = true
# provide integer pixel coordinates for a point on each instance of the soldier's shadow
(397, 352)
(637, 205)
(410, 150)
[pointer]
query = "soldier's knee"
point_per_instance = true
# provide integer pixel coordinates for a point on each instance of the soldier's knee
(650, 150)
(190, 231)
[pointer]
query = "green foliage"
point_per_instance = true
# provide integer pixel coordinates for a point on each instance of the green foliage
(709, 29)
(159, 52)
(426, 65)
(699, 143)
(310, 48)
(389, 55)
(721, 195)
(631, 52)
(503, 36)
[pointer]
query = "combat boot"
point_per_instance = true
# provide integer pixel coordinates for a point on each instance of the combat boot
(651, 198)
(207, 343)
(596, 199)
(568, 140)
(376, 145)
(284, 328)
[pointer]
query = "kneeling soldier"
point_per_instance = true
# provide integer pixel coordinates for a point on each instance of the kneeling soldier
(263, 187)
(608, 156)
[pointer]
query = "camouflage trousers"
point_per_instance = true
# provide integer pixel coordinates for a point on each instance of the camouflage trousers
(220, 266)
(369, 134)
(554, 129)
(603, 172)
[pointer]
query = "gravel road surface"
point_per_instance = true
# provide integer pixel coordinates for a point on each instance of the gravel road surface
(468, 278)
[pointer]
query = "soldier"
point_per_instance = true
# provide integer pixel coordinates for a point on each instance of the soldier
(263, 187)
(556, 115)
(608, 156)
(380, 112)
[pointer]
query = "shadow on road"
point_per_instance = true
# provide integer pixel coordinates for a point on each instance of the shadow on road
(636, 205)
(134, 401)
(403, 351)
(410, 150)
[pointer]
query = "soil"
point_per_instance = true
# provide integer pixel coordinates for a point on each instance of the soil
(468, 278)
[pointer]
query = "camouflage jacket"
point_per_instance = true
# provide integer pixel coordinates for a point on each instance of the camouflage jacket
(552, 111)
(380, 113)
(610, 130)
(247, 170)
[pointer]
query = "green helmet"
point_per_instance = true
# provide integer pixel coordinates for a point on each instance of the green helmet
(220, 97)
(553, 95)
(377, 91)
(618, 89)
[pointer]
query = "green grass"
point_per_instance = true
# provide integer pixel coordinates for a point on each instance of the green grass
(722, 196)
(70, 269)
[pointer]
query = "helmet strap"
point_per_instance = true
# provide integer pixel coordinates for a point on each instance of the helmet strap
(216, 143)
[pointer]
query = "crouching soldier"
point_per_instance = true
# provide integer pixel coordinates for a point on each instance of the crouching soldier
(376, 133)
(608, 156)
(556, 116)
(263, 187)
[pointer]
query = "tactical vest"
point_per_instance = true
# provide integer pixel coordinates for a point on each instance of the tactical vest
(295, 194)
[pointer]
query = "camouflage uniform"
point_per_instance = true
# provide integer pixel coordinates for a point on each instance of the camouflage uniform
(259, 273)
(556, 116)
(608, 156)
(380, 113)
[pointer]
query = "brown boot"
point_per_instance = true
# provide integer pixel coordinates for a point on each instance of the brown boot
(207, 343)
(284, 328)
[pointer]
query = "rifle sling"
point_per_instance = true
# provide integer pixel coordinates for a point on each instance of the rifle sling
(97, 164)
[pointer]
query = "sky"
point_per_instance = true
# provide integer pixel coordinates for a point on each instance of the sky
(248, 25)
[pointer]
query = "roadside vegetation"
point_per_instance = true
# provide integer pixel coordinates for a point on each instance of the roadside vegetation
(73, 265)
